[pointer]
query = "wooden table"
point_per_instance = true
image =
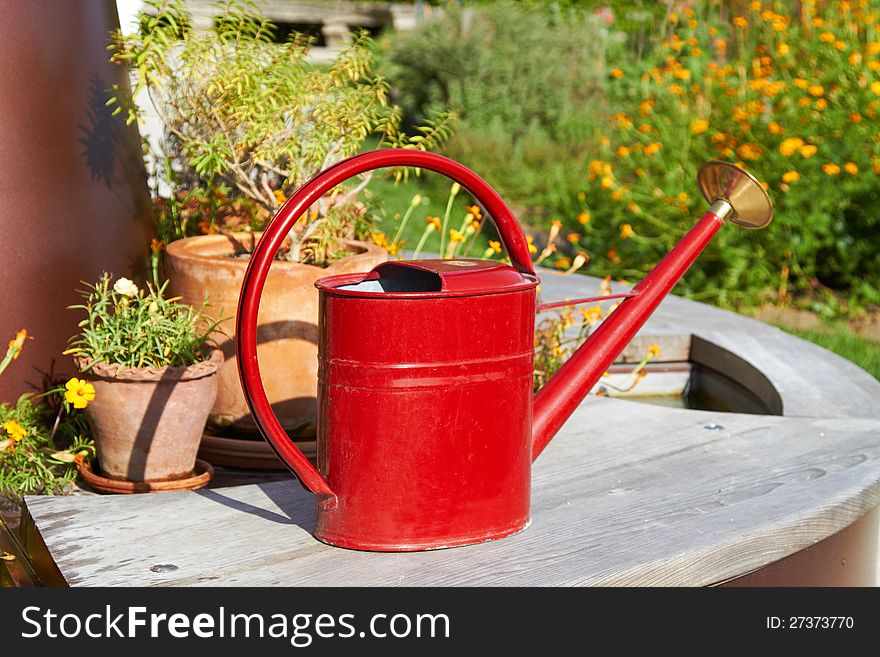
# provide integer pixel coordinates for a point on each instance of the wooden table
(626, 494)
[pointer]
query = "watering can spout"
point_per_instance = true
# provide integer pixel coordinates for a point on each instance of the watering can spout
(735, 196)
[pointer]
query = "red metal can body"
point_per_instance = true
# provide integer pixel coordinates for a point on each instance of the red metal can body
(425, 402)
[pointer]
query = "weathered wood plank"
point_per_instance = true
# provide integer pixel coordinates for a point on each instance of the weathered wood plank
(627, 494)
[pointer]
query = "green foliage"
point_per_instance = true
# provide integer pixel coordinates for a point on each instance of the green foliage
(129, 326)
(525, 85)
(791, 96)
(37, 454)
(244, 112)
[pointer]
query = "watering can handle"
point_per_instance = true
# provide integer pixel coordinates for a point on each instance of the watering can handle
(273, 237)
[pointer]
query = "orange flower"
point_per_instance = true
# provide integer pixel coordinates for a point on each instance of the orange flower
(612, 255)
(699, 126)
(654, 350)
(623, 151)
(851, 168)
(740, 22)
(808, 150)
(774, 128)
(626, 231)
(831, 169)
(562, 263)
(875, 87)
(816, 90)
(652, 148)
(790, 176)
(574, 238)
(749, 151)
(433, 222)
(17, 343)
(584, 218)
(789, 146)
(616, 73)
(474, 211)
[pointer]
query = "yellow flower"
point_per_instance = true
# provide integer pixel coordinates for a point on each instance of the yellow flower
(14, 429)
(646, 128)
(474, 211)
(682, 74)
(782, 49)
(654, 350)
(626, 231)
(562, 263)
(584, 218)
(851, 168)
(821, 104)
(455, 236)
(875, 87)
(855, 58)
(591, 315)
(79, 393)
(532, 247)
(699, 126)
(740, 22)
(827, 37)
(607, 182)
(280, 197)
(645, 107)
(676, 89)
(495, 246)
(433, 222)
(816, 90)
(790, 176)
(755, 6)
(623, 151)
(840, 45)
(749, 151)
(831, 169)
(800, 83)
(789, 146)
(808, 150)
(873, 48)
(574, 238)
(774, 128)
(652, 148)
(617, 194)
(616, 73)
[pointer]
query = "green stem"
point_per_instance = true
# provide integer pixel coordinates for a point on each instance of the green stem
(430, 229)
(453, 192)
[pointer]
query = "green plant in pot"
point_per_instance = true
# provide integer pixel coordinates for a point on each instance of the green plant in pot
(247, 121)
(152, 373)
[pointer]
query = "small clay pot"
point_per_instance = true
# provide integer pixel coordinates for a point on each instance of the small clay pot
(287, 326)
(147, 422)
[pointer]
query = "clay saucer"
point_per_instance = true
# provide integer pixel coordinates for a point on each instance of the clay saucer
(201, 476)
(247, 453)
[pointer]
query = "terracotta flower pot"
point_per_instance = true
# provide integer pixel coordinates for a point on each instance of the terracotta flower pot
(287, 330)
(147, 422)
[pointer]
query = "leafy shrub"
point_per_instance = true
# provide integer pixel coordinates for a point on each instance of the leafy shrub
(526, 84)
(795, 98)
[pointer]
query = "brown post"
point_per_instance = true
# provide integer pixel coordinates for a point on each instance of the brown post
(73, 193)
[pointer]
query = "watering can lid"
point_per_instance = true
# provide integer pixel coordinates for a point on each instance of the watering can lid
(458, 277)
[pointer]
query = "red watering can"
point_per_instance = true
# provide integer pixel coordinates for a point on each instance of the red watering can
(427, 427)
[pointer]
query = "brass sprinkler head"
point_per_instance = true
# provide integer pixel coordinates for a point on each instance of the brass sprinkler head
(735, 194)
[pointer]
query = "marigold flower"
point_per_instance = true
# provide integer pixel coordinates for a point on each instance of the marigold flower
(645, 128)
(626, 231)
(14, 430)
(616, 73)
(654, 350)
(617, 194)
(782, 49)
(125, 287)
(623, 151)
(789, 146)
(827, 37)
(495, 246)
(855, 58)
(474, 211)
(749, 151)
(740, 22)
(875, 87)
(584, 218)
(652, 148)
(774, 128)
(455, 236)
(280, 197)
(821, 104)
(676, 89)
(573, 238)
(699, 126)
(607, 182)
(808, 150)
(873, 48)
(816, 90)
(790, 176)
(645, 107)
(531, 244)
(831, 169)
(591, 315)
(612, 255)
(851, 168)
(800, 83)
(79, 392)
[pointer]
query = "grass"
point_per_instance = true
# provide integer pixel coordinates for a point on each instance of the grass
(391, 200)
(839, 338)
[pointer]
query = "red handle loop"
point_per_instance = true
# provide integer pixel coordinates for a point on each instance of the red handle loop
(273, 237)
